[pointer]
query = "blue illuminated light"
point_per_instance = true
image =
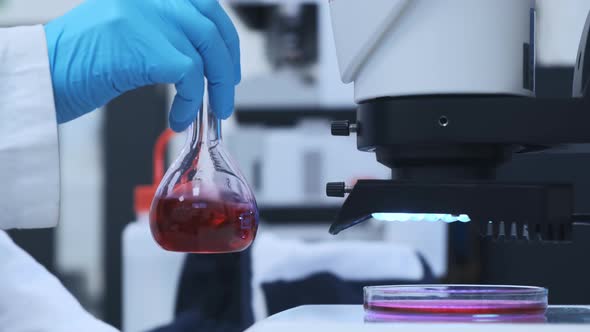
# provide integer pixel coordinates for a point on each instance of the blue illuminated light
(431, 217)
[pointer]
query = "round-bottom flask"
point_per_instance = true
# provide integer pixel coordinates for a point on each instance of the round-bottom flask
(204, 204)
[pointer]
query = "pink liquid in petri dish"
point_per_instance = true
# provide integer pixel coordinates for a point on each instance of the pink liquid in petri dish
(456, 307)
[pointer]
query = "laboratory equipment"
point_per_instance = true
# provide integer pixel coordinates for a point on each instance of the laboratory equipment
(297, 73)
(443, 130)
(289, 93)
(455, 300)
(446, 95)
(203, 204)
(288, 98)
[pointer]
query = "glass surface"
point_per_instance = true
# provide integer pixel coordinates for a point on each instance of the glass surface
(203, 204)
(476, 301)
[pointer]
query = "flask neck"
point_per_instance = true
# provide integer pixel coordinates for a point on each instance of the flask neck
(206, 127)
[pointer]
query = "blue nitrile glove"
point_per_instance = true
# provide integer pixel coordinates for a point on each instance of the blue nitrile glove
(103, 48)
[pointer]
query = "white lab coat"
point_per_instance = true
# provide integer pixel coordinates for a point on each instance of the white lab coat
(31, 299)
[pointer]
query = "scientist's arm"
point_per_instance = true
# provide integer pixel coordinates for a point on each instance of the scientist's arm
(31, 299)
(74, 64)
(29, 160)
(103, 48)
(34, 300)
(82, 60)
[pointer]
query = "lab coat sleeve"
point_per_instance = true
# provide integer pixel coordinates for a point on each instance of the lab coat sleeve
(29, 156)
(31, 299)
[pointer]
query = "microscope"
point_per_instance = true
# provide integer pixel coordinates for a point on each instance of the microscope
(416, 68)
(446, 95)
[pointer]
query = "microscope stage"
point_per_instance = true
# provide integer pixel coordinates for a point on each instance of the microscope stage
(351, 318)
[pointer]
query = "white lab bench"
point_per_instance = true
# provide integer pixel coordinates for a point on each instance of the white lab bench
(351, 318)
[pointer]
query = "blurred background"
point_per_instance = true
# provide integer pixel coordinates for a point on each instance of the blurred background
(280, 137)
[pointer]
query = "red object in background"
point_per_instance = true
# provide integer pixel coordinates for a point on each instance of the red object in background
(457, 307)
(143, 195)
(196, 225)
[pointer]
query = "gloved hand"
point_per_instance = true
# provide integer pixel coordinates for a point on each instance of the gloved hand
(103, 48)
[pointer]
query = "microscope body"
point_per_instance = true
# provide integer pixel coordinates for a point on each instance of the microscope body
(446, 94)
(399, 48)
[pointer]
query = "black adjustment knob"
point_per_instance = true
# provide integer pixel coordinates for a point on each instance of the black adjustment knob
(341, 128)
(336, 189)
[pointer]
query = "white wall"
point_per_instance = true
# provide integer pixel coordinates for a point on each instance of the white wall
(559, 30)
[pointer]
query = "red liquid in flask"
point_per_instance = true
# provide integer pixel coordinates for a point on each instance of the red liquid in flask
(199, 225)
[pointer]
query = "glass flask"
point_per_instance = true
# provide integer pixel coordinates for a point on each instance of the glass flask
(204, 204)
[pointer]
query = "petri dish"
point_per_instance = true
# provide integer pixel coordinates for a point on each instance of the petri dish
(436, 318)
(455, 300)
